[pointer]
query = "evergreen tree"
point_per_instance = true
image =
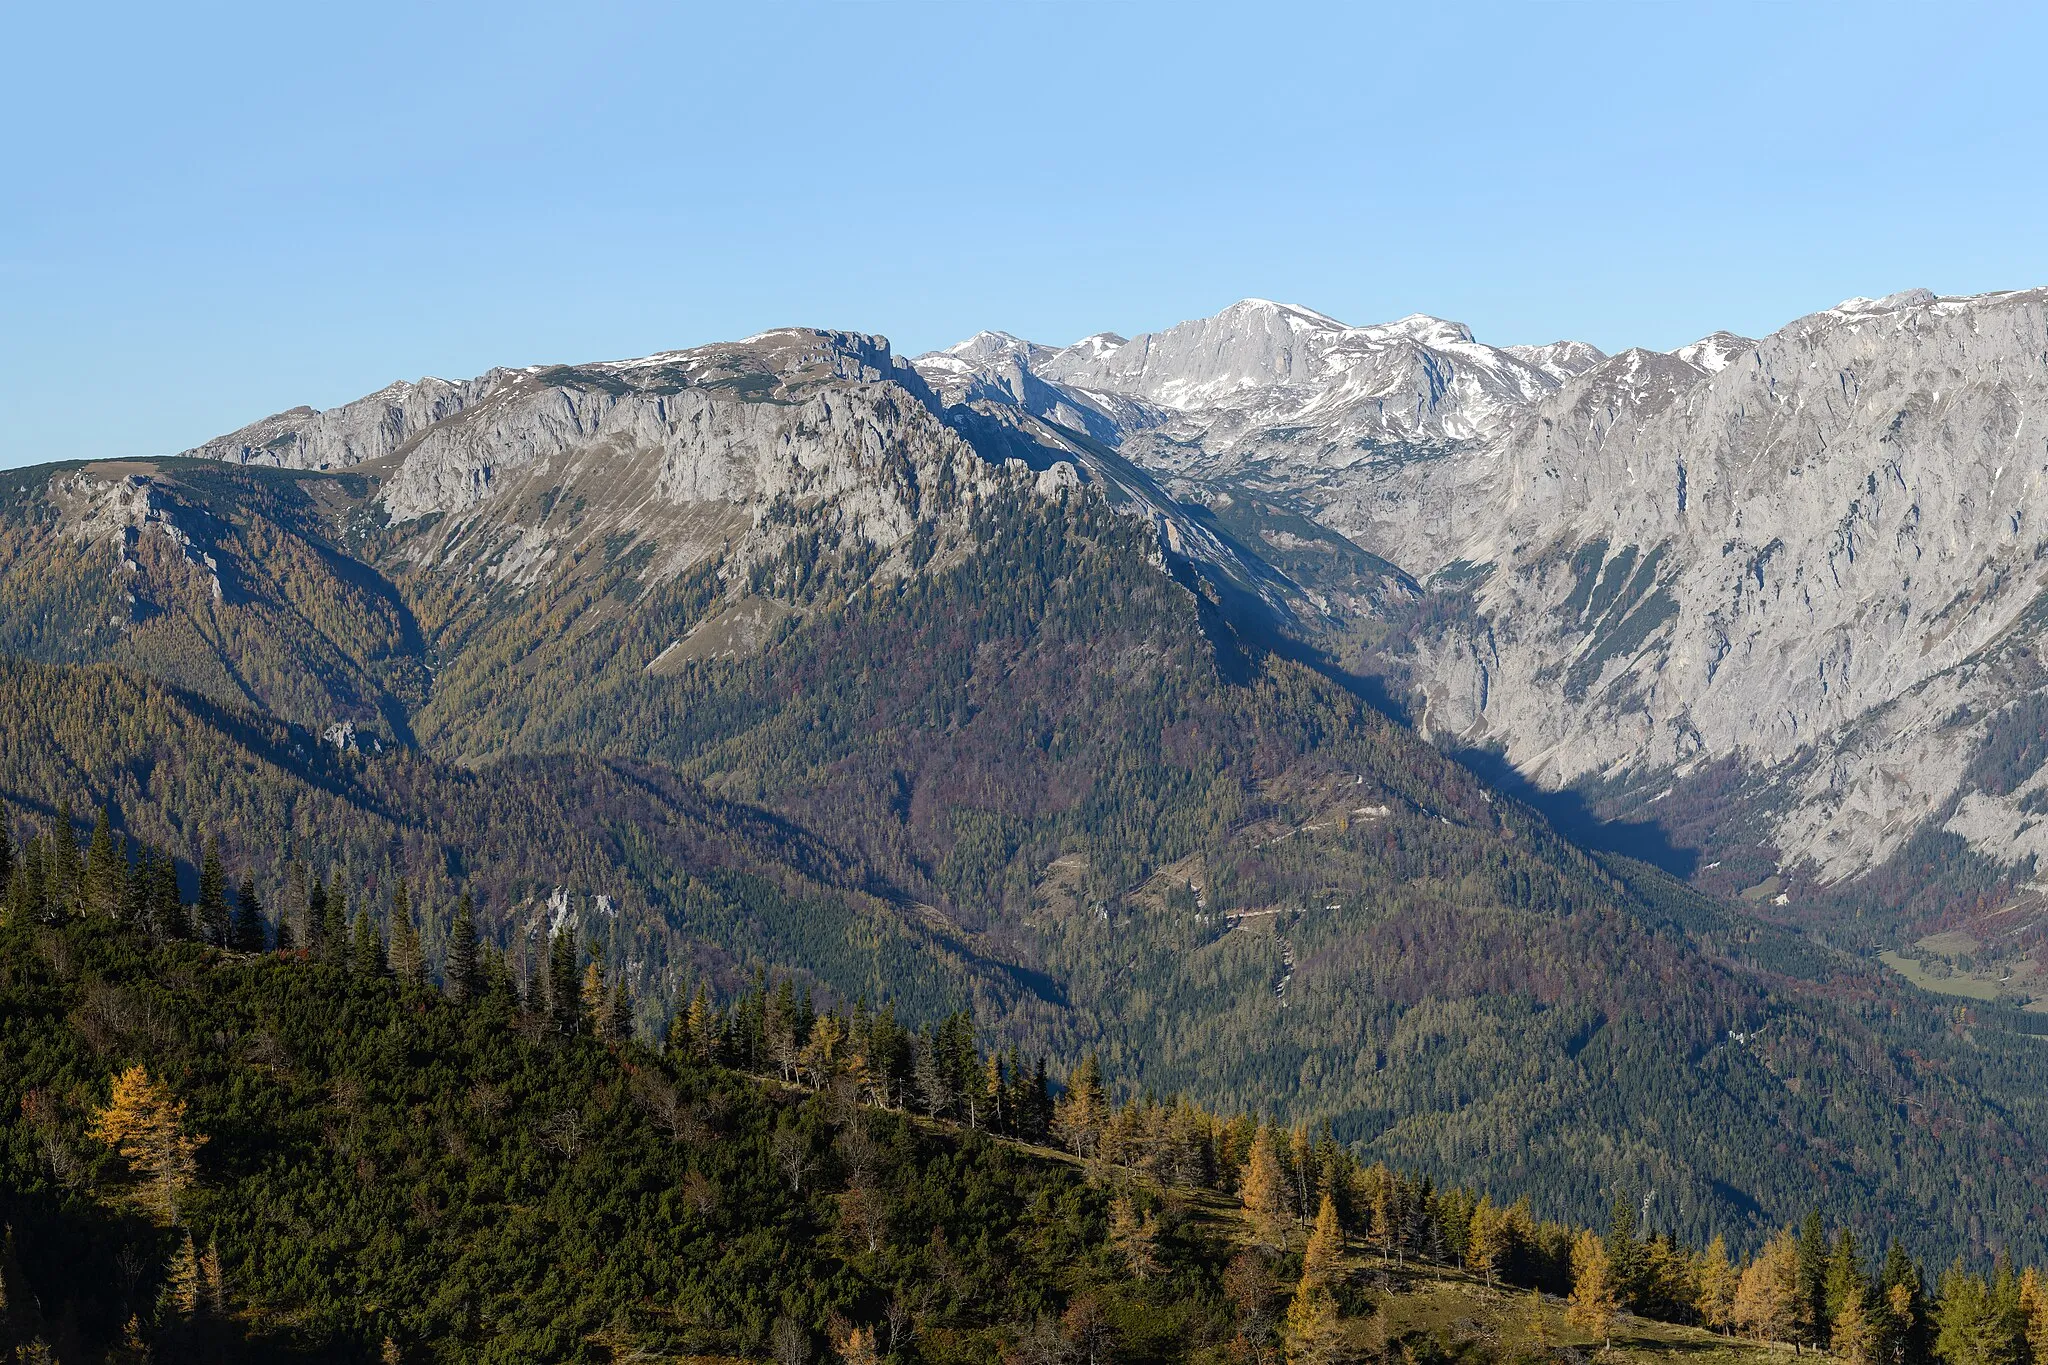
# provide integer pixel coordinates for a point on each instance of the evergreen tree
(334, 937)
(181, 1283)
(248, 927)
(1769, 1302)
(1319, 1260)
(459, 971)
(66, 870)
(316, 920)
(1844, 1276)
(105, 868)
(212, 910)
(1904, 1292)
(166, 914)
(565, 988)
(408, 954)
(618, 1012)
(1978, 1323)
(1813, 1279)
(1626, 1261)
(299, 915)
(6, 848)
(366, 954)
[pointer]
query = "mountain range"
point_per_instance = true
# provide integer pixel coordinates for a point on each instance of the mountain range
(1515, 757)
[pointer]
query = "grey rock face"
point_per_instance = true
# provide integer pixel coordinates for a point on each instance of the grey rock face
(1807, 556)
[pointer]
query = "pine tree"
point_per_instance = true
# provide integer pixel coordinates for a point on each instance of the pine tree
(1079, 1116)
(618, 1012)
(2034, 1313)
(212, 912)
(1904, 1293)
(6, 848)
(212, 1282)
(298, 921)
(459, 972)
(1977, 1323)
(1311, 1334)
(248, 928)
(1263, 1192)
(166, 914)
(1856, 1334)
(1486, 1240)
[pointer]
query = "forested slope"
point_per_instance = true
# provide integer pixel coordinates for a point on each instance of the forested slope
(1032, 774)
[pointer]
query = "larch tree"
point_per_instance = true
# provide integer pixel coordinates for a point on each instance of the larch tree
(1768, 1303)
(1486, 1239)
(1311, 1333)
(1325, 1248)
(1595, 1300)
(145, 1123)
(1716, 1275)
(1263, 1192)
(1134, 1235)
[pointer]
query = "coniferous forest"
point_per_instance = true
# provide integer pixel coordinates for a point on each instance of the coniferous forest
(221, 1148)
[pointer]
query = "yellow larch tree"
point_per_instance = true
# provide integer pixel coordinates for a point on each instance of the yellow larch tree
(145, 1123)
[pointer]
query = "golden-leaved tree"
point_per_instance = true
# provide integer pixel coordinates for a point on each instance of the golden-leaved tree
(145, 1123)
(1264, 1192)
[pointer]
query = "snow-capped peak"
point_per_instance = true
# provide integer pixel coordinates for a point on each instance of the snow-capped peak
(1714, 353)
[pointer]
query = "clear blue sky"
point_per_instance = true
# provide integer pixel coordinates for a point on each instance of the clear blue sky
(208, 213)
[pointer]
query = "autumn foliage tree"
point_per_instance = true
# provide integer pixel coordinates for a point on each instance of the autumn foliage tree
(145, 1123)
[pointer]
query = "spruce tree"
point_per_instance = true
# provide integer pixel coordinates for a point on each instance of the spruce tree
(459, 971)
(408, 958)
(248, 928)
(213, 897)
(166, 904)
(6, 849)
(104, 867)
(366, 957)
(296, 918)
(67, 869)
(316, 919)
(1813, 1278)
(565, 992)
(334, 944)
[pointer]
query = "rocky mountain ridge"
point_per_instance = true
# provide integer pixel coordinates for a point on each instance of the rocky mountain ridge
(1806, 554)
